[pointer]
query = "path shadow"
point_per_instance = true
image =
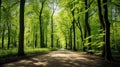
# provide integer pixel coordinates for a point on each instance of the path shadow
(62, 58)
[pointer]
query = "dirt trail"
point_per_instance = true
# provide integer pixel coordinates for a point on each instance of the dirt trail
(62, 58)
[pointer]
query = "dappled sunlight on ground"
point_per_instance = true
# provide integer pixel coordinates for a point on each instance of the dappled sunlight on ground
(40, 63)
(61, 58)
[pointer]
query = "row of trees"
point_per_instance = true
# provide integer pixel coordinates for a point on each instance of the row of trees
(8, 12)
(88, 11)
(73, 24)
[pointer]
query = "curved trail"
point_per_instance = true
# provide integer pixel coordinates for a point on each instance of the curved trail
(61, 58)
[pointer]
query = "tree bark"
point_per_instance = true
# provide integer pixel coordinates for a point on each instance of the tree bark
(70, 38)
(81, 31)
(102, 24)
(52, 29)
(41, 24)
(87, 26)
(3, 32)
(3, 26)
(9, 30)
(46, 39)
(74, 34)
(21, 33)
(108, 55)
(66, 42)
(0, 11)
(41, 30)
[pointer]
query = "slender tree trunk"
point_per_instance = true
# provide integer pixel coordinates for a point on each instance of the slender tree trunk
(3, 32)
(102, 24)
(0, 11)
(43, 39)
(74, 34)
(108, 55)
(40, 19)
(1, 27)
(87, 25)
(46, 38)
(85, 35)
(21, 33)
(66, 42)
(81, 32)
(9, 40)
(8, 27)
(52, 30)
(70, 38)
(41, 24)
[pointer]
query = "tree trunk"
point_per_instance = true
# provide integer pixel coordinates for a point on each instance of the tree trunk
(52, 30)
(41, 28)
(81, 32)
(102, 24)
(40, 19)
(74, 36)
(1, 27)
(108, 55)
(9, 28)
(66, 46)
(3, 32)
(70, 38)
(87, 26)
(46, 38)
(0, 12)
(21, 33)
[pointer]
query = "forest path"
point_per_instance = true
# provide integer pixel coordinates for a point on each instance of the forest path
(62, 58)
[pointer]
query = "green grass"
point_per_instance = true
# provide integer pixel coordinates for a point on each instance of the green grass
(6, 52)
(36, 50)
(13, 51)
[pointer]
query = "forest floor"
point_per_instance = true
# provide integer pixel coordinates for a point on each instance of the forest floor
(62, 58)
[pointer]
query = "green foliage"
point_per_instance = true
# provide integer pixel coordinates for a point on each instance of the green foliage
(36, 50)
(62, 19)
(13, 51)
(10, 52)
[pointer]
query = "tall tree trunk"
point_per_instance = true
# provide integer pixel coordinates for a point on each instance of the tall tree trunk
(9, 28)
(80, 29)
(81, 32)
(21, 33)
(102, 24)
(74, 36)
(41, 30)
(108, 55)
(70, 38)
(87, 26)
(46, 38)
(66, 46)
(0, 25)
(0, 11)
(52, 30)
(3, 32)
(41, 24)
